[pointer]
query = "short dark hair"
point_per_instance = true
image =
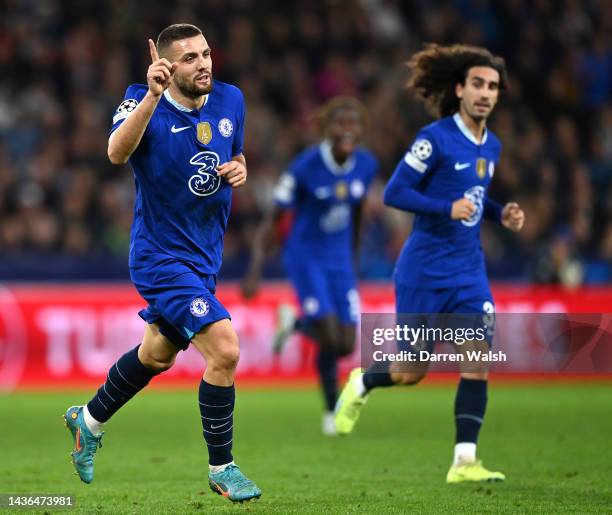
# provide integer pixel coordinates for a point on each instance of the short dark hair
(174, 33)
(436, 71)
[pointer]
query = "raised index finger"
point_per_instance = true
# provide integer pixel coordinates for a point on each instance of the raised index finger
(153, 50)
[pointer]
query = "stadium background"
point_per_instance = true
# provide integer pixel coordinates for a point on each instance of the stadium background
(65, 211)
(67, 309)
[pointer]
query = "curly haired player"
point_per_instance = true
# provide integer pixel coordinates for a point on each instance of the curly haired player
(443, 180)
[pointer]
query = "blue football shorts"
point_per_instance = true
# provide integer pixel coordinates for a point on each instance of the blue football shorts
(324, 289)
(180, 301)
(458, 308)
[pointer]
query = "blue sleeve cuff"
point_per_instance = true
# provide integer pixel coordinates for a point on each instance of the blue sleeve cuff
(493, 210)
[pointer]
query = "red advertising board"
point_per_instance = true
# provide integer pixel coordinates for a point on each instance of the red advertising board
(66, 335)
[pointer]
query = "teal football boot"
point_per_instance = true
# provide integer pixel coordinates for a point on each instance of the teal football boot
(233, 484)
(85, 443)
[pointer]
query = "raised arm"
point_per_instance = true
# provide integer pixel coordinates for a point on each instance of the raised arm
(126, 138)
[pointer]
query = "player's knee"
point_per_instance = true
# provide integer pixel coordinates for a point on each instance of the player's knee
(347, 345)
(325, 332)
(226, 353)
(157, 363)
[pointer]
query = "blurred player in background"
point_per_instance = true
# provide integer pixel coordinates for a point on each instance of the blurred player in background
(443, 179)
(324, 186)
(183, 136)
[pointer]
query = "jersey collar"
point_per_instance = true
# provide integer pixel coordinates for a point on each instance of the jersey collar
(181, 107)
(328, 158)
(467, 132)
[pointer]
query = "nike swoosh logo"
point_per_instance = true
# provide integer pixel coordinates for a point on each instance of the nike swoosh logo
(77, 440)
(179, 129)
(461, 166)
(220, 425)
(219, 488)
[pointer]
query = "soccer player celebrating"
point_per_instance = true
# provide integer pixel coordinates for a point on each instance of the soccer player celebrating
(443, 179)
(324, 186)
(183, 135)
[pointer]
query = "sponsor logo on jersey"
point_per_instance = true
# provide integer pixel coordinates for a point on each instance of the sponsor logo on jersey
(204, 133)
(336, 218)
(206, 182)
(225, 127)
(481, 167)
(476, 195)
(199, 307)
(491, 169)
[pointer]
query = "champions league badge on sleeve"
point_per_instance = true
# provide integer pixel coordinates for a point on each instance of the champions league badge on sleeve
(125, 109)
(421, 149)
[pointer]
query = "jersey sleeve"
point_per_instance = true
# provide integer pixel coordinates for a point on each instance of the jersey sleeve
(492, 209)
(402, 190)
(422, 157)
(133, 96)
(238, 143)
(287, 188)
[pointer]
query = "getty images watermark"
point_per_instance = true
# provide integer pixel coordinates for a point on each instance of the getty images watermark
(411, 340)
(533, 343)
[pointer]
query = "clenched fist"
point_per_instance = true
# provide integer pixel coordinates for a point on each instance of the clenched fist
(513, 217)
(462, 209)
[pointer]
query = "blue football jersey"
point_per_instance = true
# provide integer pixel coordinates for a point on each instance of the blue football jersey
(323, 195)
(182, 206)
(444, 164)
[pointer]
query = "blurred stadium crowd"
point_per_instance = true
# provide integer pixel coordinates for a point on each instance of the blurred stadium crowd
(65, 212)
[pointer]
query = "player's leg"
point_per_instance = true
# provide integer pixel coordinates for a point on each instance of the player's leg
(324, 331)
(218, 343)
(339, 333)
(360, 384)
(319, 322)
(472, 393)
(126, 377)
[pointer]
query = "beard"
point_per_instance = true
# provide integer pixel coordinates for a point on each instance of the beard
(479, 116)
(190, 89)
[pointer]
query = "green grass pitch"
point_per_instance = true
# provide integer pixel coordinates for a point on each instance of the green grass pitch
(552, 441)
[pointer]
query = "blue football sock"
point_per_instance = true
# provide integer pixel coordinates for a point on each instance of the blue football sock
(376, 376)
(326, 365)
(125, 379)
(470, 406)
(217, 412)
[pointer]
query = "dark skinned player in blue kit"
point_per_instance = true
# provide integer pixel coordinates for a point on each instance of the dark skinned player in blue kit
(443, 179)
(182, 134)
(324, 187)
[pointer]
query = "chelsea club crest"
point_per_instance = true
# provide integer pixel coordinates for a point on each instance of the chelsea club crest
(199, 307)
(225, 127)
